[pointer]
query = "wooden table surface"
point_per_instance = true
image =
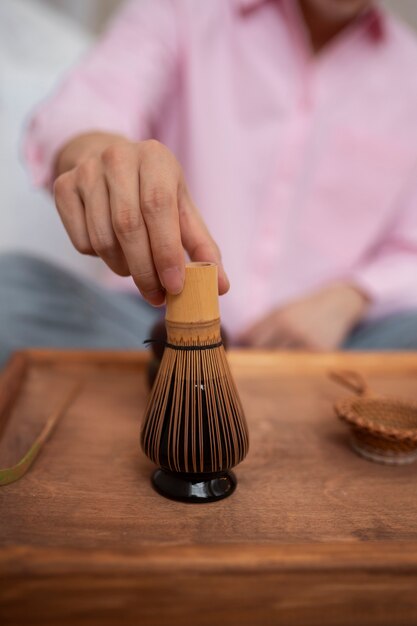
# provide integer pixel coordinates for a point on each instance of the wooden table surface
(313, 535)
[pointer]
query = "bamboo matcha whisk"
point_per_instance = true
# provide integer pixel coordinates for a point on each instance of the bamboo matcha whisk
(194, 427)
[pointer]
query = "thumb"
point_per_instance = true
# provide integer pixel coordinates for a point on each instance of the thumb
(198, 242)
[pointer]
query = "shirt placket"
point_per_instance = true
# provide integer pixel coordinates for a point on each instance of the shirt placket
(271, 242)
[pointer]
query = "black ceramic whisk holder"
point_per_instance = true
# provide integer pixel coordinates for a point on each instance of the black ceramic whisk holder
(194, 488)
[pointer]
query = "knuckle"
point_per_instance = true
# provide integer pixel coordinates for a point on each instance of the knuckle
(63, 186)
(121, 269)
(166, 254)
(206, 249)
(156, 151)
(153, 145)
(127, 221)
(187, 203)
(216, 250)
(197, 250)
(113, 156)
(88, 172)
(146, 280)
(83, 247)
(156, 200)
(103, 244)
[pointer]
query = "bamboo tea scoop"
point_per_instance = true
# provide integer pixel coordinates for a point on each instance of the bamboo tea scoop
(382, 429)
(194, 428)
(11, 474)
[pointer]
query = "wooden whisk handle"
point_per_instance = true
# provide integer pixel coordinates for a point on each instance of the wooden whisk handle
(198, 303)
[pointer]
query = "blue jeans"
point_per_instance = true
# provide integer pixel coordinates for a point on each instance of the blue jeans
(42, 305)
(394, 332)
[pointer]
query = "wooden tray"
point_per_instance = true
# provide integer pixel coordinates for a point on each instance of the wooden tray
(314, 535)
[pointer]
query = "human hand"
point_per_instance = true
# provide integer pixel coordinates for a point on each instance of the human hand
(316, 323)
(128, 203)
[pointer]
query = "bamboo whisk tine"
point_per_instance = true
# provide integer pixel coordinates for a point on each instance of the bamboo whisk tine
(194, 422)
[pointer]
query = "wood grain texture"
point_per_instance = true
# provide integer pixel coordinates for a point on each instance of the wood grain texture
(198, 302)
(238, 585)
(11, 381)
(313, 535)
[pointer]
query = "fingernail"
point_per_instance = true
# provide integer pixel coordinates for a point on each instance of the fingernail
(173, 280)
(158, 300)
(155, 298)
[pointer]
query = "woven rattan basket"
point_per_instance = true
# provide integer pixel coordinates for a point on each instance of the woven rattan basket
(382, 429)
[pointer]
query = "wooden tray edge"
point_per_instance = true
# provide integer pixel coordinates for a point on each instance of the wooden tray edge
(310, 585)
(296, 363)
(99, 357)
(29, 561)
(287, 362)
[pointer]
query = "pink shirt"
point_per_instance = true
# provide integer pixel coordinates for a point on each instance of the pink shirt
(303, 166)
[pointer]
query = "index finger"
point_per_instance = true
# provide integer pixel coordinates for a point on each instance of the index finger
(197, 240)
(123, 184)
(159, 206)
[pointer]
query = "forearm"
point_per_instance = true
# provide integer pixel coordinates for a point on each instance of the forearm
(118, 87)
(350, 302)
(390, 280)
(319, 321)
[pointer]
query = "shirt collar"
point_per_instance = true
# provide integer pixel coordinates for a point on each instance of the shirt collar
(375, 18)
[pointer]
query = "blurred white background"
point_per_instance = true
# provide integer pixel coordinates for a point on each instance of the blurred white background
(40, 39)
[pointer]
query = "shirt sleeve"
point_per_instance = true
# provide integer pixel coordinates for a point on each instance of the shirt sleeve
(119, 87)
(389, 274)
